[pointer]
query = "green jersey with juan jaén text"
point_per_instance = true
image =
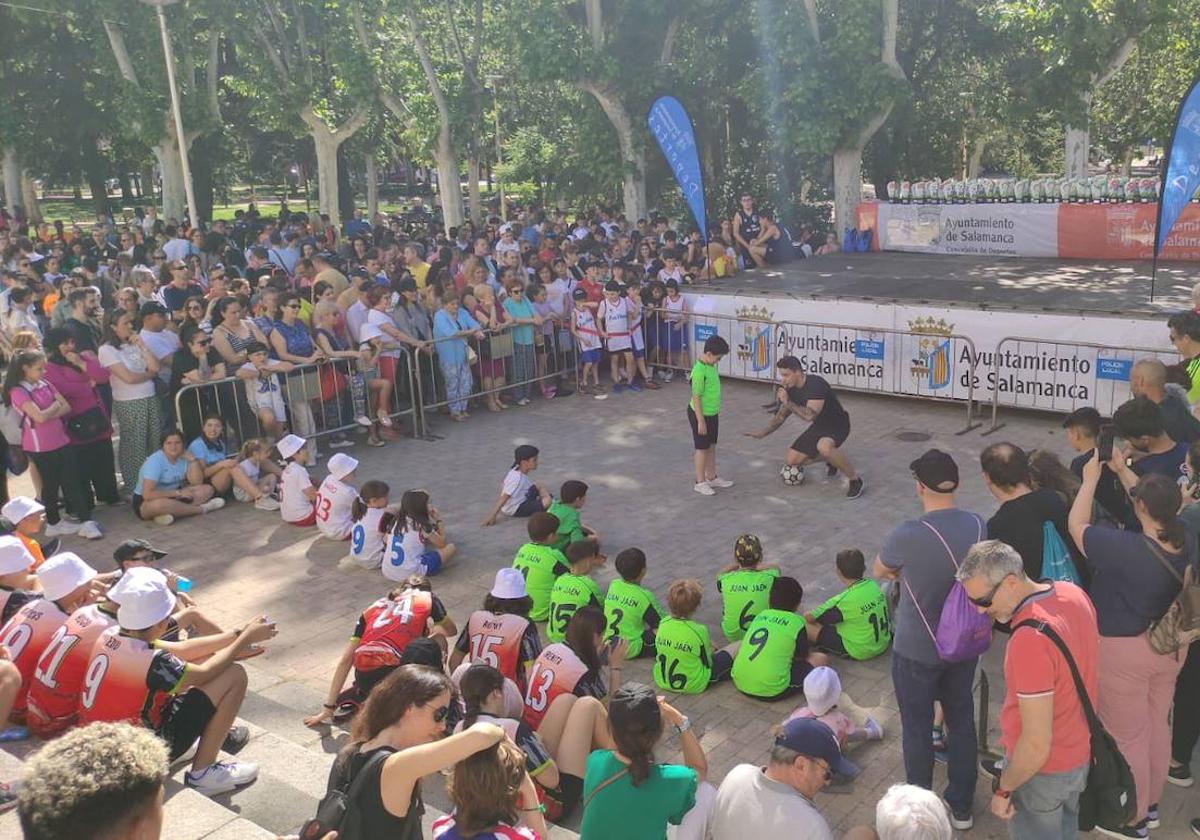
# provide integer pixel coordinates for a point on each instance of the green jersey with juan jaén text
(682, 656)
(763, 665)
(569, 529)
(570, 592)
(540, 565)
(865, 630)
(626, 606)
(744, 594)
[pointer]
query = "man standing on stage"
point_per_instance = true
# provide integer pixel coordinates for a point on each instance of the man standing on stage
(811, 398)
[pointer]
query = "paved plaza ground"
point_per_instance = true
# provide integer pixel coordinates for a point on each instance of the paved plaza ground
(635, 452)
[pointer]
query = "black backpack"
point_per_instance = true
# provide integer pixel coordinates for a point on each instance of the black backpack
(346, 780)
(1110, 798)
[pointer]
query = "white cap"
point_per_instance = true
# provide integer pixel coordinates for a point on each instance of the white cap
(18, 507)
(290, 445)
(822, 688)
(510, 583)
(145, 601)
(341, 465)
(62, 574)
(130, 577)
(14, 556)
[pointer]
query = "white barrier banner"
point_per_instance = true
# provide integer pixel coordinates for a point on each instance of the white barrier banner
(996, 230)
(927, 361)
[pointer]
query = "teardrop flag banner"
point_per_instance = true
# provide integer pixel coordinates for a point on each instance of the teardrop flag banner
(672, 128)
(1181, 170)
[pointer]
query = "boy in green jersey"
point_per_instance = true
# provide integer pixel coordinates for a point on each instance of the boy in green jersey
(745, 586)
(702, 411)
(684, 660)
(540, 563)
(571, 497)
(632, 610)
(854, 623)
(575, 589)
(774, 658)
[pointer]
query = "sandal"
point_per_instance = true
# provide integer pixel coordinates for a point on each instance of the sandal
(374, 442)
(384, 420)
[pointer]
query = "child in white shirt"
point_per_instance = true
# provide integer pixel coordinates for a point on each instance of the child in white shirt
(519, 496)
(259, 472)
(297, 496)
(336, 497)
(264, 390)
(367, 532)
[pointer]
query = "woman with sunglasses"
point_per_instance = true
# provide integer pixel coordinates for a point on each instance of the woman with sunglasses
(525, 319)
(292, 342)
(1135, 579)
(232, 333)
(197, 364)
(399, 736)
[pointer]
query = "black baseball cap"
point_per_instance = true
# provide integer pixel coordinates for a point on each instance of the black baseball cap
(812, 739)
(936, 470)
(579, 294)
(153, 307)
(131, 547)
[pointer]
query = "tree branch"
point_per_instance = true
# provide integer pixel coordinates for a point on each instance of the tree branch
(391, 101)
(595, 22)
(814, 23)
(477, 53)
(276, 19)
(305, 60)
(668, 47)
(889, 11)
(273, 54)
(116, 40)
(1115, 61)
(435, 86)
(212, 76)
(458, 47)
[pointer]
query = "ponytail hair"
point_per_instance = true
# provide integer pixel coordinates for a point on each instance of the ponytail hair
(369, 492)
(477, 684)
(1161, 498)
(635, 739)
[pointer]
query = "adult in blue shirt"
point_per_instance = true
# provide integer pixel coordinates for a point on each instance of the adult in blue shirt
(451, 325)
(170, 484)
(520, 311)
(357, 226)
(1139, 422)
(216, 464)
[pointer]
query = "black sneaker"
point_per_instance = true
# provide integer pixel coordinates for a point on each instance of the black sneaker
(992, 766)
(830, 470)
(1180, 775)
(856, 489)
(961, 821)
(236, 739)
(1153, 820)
(1132, 832)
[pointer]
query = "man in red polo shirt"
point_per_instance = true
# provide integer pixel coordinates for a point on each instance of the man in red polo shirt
(1042, 723)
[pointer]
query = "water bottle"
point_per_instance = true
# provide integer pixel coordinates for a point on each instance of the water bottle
(183, 584)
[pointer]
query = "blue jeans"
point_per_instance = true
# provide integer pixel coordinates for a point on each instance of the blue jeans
(917, 687)
(1047, 806)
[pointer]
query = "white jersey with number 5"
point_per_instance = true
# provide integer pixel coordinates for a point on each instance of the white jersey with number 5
(334, 500)
(366, 542)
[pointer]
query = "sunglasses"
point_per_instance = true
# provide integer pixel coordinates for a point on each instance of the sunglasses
(986, 600)
(292, 306)
(440, 714)
(179, 268)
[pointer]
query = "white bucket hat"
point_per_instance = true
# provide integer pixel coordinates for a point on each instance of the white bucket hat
(18, 507)
(510, 584)
(14, 556)
(341, 465)
(145, 602)
(290, 445)
(129, 577)
(822, 688)
(62, 574)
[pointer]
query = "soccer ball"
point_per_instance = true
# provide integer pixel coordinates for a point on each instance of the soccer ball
(792, 475)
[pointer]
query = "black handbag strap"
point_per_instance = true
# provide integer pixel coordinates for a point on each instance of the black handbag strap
(354, 782)
(1085, 700)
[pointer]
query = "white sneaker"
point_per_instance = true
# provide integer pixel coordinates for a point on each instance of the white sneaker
(340, 443)
(164, 519)
(222, 777)
(212, 504)
(62, 529)
(90, 531)
(669, 375)
(720, 482)
(705, 489)
(265, 503)
(874, 730)
(363, 420)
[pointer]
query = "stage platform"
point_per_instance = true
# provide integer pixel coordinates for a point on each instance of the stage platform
(1006, 283)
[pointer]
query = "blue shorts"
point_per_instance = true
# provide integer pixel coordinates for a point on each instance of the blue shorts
(639, 353)
(432, 561)
(589, 357)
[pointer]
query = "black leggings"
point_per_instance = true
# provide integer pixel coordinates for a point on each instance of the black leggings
(1185, 727)
(96, 473)
(53, 468)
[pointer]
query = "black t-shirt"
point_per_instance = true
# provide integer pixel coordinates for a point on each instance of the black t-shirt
(1019, 523)
(833, 415)
(185, 362)
(375, 819)
(1110, 494)
(1178, 421)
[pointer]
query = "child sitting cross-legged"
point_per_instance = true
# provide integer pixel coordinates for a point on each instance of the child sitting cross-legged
(854, 623)
(632, 611)
(822, 690)
(684, 658)
(575, 589)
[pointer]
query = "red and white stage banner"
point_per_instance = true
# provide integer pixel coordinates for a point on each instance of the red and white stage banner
(1075, 231)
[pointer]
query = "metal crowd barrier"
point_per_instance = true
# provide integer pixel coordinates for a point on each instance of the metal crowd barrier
(928, 362)
(320, 399)
(495, 364)
(1065, 382)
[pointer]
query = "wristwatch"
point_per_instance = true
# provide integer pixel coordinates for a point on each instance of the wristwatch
(683, 726)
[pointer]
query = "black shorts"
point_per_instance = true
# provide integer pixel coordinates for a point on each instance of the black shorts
(828, 639)
(531, 504)
(800, 670)
(136, 501)
(364, 681)
(722, 667)
(710, 426)
(183, 720)
(806, 444)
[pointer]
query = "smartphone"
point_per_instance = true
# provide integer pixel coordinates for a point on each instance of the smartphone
(1104, 444)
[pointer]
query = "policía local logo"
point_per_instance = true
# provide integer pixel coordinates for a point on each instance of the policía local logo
(933, 364)
(755, 347)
